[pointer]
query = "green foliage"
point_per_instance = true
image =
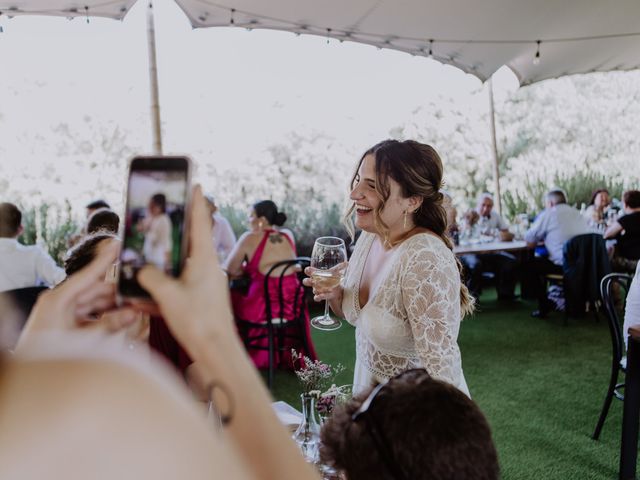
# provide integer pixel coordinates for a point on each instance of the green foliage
(307, 222)
(51, 224)
(579, 188)
(29, 230)
(237, 218)
(581, 185)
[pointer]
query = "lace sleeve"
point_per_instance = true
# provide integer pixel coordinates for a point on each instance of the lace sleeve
(431, 297)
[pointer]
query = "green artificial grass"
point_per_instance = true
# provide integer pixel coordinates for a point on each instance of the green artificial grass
(541, 385)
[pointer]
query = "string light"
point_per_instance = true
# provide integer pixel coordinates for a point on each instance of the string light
(232, 21)
(431, 48)
(328, 35)
(86, 9)
(536, 59)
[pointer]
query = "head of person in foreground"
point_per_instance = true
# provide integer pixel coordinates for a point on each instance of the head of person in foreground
(411, 427)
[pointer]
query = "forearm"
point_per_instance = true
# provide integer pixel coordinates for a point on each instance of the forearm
(254, 428)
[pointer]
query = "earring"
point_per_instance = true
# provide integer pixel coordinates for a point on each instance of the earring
(405, 220)
(260, 225)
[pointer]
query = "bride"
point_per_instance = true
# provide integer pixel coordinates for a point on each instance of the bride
(402, 289)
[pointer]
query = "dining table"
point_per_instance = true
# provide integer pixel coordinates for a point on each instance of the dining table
(494, 246)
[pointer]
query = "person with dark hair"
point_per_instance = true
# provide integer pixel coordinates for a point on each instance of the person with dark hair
(410, 428)
(556, 224)
(83, 253)
(157, 228)
(96, 205)
(255, 253)
(626, 232)
(22, 266)
(104, 220)
(598, 205)
(402, 289)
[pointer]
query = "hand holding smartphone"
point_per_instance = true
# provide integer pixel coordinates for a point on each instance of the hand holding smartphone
(155, 226)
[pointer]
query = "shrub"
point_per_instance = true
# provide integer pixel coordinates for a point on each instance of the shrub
(579, 188)
(307, 222)
(51, 225)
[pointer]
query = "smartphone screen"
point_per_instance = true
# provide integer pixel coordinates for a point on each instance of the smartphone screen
(154, 224)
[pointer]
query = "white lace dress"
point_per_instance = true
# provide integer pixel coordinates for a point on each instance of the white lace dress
(412, 320)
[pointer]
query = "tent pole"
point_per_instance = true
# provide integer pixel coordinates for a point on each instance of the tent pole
(153, 78)
(494, 144)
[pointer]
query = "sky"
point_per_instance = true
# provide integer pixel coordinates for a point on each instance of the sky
(226, 94)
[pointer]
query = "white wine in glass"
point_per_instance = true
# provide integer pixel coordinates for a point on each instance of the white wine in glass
(329, 258)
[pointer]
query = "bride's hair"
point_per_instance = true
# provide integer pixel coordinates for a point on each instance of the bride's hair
(417, 168)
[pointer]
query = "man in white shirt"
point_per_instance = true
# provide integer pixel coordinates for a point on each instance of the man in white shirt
(503, 265)
(556, 224)
(22, 266)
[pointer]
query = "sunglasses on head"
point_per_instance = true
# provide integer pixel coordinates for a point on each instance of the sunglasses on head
(366, 416)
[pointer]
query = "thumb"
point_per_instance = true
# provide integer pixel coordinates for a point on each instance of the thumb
(157, 283)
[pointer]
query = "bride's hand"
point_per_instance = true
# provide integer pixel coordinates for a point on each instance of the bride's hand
(320, 290)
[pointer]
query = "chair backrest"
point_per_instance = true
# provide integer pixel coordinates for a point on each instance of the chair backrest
(614, 288)
(585, 263)
(286, 295)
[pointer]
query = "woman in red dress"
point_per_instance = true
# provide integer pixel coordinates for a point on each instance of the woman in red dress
(255, 253)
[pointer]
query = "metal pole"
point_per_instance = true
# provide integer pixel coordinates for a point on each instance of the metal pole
(494, 144)
(153, 78)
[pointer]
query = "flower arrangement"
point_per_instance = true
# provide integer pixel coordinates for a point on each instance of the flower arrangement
(332, 397)
(313, 375)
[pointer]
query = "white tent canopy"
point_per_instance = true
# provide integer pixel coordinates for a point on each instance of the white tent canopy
(575, 36)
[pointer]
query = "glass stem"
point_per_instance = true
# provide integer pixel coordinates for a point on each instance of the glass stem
(326, 309)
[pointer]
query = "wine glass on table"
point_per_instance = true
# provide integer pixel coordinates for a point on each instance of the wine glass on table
(328, 259)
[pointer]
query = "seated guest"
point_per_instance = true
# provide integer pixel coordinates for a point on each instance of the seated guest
(595, 212)
(255, 253)
(22, 266)
(104, 220)
(223, 237)
(626, 232)
(412, 427)
(83, 253)
(556, 224)
(502, 264)
(95, 205)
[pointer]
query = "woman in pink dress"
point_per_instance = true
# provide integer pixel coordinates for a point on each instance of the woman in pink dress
(255, 253)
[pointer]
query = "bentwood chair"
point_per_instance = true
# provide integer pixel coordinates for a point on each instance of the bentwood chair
(614, 288)
(284, 326)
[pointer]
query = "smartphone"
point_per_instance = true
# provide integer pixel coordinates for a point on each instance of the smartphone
(154, 230)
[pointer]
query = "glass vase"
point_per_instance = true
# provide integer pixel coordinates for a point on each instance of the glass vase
(307, 435)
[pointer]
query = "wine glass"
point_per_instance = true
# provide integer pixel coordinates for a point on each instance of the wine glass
(329, 259)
